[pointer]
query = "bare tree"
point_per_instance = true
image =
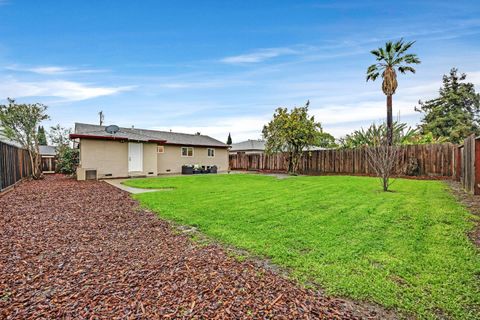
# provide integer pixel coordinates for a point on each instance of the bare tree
(383, 158)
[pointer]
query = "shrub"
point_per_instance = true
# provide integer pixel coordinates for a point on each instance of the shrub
(67, 160)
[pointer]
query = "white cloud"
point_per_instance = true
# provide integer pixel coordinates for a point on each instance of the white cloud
(52, 70)
(241, 128)
(259, 55)
(68, 90)
(474, 77)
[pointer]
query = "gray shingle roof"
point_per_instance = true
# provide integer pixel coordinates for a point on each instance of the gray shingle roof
(148, 135)
(47, 150)
(258, 145)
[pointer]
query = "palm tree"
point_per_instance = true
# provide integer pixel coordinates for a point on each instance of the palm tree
(389, 59)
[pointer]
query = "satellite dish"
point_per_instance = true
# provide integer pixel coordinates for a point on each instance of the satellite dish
(112, 129)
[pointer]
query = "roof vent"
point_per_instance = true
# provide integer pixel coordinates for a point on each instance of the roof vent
(198, 133)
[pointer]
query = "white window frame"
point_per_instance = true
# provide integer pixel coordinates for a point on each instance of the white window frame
(162, 148)
(213, 152)
(187, 156)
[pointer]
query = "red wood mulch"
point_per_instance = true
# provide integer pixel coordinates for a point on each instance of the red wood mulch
(73, 249)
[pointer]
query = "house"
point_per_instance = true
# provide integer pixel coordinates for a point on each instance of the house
(49, 157)
(249, 146)
(130, 152)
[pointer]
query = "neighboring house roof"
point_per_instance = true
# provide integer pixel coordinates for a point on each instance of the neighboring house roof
(249, 145)
(259, 145)
(83, 130)
(315, 148)
(47, 150)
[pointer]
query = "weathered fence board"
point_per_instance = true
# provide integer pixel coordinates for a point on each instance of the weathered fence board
(433, 160)
(469, 156)
(14, 165)
(48, 164)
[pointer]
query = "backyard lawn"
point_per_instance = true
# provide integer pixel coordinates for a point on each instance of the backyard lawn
(406, 249)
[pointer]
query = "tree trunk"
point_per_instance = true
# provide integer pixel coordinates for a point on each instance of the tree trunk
(290, 162)
(34, 161)
(389, 121)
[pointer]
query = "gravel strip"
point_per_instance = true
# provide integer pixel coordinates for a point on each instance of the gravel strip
(75, 250)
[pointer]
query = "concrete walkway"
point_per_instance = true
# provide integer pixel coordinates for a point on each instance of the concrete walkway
(118, 183)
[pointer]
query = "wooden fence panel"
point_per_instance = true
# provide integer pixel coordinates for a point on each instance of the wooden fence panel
(14, 165)
(468, 159)
(439, 160)
(48, 164)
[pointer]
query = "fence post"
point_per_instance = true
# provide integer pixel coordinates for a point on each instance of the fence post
(2, 156)
(458, 163)
(476, 167)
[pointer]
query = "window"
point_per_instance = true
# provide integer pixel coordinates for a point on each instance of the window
(187, 152)
(211, 152)
(160, 149)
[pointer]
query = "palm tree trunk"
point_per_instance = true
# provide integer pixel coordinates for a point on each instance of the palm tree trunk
(389, 120)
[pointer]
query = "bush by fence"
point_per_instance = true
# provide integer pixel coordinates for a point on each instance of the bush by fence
(437, 160)
(14, 165)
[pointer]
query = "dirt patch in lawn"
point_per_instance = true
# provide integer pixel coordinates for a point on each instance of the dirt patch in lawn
(73, 249)
(472, 203)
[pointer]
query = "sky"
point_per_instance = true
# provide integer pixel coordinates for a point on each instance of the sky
(224, 66)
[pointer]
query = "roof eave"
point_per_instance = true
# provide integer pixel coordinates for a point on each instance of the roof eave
(195, 145)
(89, 136)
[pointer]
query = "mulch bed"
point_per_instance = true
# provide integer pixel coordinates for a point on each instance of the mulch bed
(73, 249)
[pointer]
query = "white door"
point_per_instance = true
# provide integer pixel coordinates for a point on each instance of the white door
(135, 156)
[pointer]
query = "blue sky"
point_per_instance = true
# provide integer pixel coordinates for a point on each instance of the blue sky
(224, 66)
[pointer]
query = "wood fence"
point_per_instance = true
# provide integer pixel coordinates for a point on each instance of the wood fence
(433, 160)
(48, 164)
(469, 164)
(14, 165)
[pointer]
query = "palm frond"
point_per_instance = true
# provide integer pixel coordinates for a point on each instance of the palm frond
(372, 68)
(373, 76)
(411, 59)
(382, 52)
(404, 69)
(373, 72)
(388, 46)
(398, 45)
(376, 53)
(405, 47)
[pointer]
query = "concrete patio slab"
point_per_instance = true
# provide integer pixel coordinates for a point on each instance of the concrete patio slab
(118, 183)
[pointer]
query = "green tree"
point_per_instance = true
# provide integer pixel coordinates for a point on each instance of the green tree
(291, 132)
(42, 137)
(67, 160)
(67, 157)
(20, 124)
(402, 134)
(454, 115)
(389, 59)
(229, 139)
(326, 140)
(59, 136)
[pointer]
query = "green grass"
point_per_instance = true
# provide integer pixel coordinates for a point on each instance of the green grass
(406, 249)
